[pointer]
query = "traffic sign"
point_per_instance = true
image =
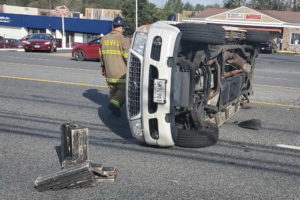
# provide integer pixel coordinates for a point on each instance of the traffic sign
(62, 10)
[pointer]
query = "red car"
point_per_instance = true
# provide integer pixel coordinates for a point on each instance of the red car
(10, 43)
(40, 42)
(88, 50)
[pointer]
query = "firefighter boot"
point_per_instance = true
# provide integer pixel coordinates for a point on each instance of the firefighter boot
(114, 110)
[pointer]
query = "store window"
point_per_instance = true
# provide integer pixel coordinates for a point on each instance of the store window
(295, 36)
(34, 30)
(89, 37)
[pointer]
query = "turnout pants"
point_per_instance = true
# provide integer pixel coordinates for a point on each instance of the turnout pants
(117, 93)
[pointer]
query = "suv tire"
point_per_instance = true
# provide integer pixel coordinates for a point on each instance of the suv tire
(204, 33)
(257, 36)
(197, 138)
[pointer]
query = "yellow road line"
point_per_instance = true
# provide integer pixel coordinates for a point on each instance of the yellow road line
(277, 86)
(274, 104)
(49, 81)
(102, 86)
(282, 51)
(67, 68)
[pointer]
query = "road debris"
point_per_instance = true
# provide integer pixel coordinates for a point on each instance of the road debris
(76, 171)
(80, 175)
(74, 144)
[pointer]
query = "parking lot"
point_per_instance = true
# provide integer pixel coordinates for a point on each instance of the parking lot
(40, 91)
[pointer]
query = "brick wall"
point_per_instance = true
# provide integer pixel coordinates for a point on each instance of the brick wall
(287, 34)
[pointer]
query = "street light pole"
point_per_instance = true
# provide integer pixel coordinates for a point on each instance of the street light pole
(136, 14)
(62, 10)
(63, 32)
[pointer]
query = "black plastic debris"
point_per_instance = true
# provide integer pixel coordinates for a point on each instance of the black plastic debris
(254, 124)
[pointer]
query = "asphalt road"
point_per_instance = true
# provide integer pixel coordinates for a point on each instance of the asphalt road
(40, 91)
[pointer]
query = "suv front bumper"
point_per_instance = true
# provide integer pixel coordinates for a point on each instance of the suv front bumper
(151, 122)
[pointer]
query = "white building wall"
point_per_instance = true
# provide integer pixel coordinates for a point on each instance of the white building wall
(48, 31)
(78, 37)
(20, 10)
(58, 34)
(13, 32)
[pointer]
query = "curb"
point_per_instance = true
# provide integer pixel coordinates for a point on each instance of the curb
(7, 49)
(282, 51)
(58, 49)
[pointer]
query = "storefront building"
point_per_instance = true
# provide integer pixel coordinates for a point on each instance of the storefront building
(284, 26)
(17, 26)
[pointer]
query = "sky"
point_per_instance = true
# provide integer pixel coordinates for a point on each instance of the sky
(160, 3)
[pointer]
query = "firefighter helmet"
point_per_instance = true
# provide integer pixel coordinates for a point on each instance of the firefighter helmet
(118, 21)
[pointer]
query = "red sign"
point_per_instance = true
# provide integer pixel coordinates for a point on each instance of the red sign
(62, 10)
(253, 16)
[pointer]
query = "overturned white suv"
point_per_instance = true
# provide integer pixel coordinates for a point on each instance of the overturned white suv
(184, 80)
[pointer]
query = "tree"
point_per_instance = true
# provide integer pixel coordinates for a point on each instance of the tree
(175, 6)
(233, 3)
(213, 6)
(273, 4)
(188, 6)
(199, 7)
(147, 14)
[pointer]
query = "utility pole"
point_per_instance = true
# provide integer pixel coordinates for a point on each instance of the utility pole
(136, 14)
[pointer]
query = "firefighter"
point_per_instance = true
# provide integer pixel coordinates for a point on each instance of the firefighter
(113, 58)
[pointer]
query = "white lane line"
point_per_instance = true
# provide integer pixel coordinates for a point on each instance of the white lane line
(288, 146)
(269, 77)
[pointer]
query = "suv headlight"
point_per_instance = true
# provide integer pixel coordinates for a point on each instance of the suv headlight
(47, 43)
(136, 129)
(140, 39)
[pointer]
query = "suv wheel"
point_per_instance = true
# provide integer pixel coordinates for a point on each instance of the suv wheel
(197, 138)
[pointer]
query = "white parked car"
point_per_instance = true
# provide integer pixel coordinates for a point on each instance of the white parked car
(184, 80)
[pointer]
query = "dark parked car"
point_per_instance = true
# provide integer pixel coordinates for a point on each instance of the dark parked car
(2, 42)
(14, 43)
(88, 50)
(40, 42)
(25, 38)
(10, 43)
(268, 47)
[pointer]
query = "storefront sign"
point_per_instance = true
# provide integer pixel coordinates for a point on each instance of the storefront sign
(235, 16)
(253, 16)
(243, 16)
(4, 19)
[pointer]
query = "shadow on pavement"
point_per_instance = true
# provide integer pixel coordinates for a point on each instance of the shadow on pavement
(118, 125)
